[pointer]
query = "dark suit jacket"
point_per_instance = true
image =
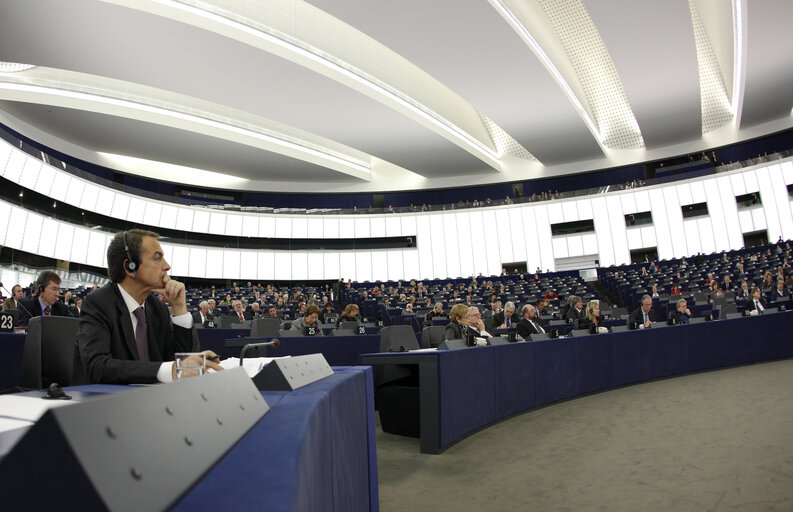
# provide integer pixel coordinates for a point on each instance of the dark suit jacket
(575, 315)
(525, 328)
(106, 339)
(750, 304)
(586, 323)
(197, 317)
(245, 314)
(31, 307)
(637, 317)
(498, 319)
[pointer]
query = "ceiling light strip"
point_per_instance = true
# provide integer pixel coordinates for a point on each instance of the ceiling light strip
(127, 100)
(737, 27)
(319, 56)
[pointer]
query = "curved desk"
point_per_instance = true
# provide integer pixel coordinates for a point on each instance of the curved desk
(461, 391)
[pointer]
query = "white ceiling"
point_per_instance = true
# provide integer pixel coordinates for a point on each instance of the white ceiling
(459, 59)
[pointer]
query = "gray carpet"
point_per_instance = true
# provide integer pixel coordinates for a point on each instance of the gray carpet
(713, 441)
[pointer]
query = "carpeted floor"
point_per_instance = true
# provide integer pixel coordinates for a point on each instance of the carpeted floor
(712, 441)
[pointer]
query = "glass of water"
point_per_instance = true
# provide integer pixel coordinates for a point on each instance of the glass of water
(190, 364)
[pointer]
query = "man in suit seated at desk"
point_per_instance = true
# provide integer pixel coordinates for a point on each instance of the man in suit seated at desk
(125, 334)
(530, 323)
(239, 312)
(756, 304)
(643, 317)
(507, 318)
(77, 308)
(16, 296)
(44, 302)
(780, 292)
(476, 327)
(576, 311)
(203, 316)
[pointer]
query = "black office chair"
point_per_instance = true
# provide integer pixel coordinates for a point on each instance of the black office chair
(51, 354)
(432, 336)
(265, 327)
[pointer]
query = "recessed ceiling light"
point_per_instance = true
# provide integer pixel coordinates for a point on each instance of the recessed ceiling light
(14, 67)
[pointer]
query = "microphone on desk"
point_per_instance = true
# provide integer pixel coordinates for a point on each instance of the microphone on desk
(272, 343)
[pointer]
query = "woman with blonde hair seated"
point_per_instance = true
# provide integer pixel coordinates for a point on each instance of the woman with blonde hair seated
(593, 319)
(350, 314)
(459, 321)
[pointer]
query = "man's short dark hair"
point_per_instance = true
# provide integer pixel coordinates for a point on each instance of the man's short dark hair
(44, 279)
(116, 254)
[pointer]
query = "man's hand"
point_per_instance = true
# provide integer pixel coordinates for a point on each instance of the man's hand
(175, 293)
(647, 324)
(212, 361)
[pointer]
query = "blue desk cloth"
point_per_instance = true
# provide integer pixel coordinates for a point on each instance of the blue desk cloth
(464, 390)
(314, 451)
(338, 350)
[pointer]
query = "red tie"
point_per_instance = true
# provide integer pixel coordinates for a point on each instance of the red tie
(241, 319)
(47, 311)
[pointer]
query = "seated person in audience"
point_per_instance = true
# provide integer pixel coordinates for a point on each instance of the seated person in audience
(551, 295)
(16, 296)
(125, 334)
(408, 309)
(576, 311)
(768, 281)
(507, 318)
(542, 307)
(67, 298)
(213, 308)
(681, 315)
(675, 290)
(715, 291)
(203, 314)
(458, 317)
(256, 310)
(350, 314)
(437, 311)
(311, 319)
(756, 303)
(226, 300)
(531, 323)
(239, 312)
(272, 312)
(780, 291)
(300, 311)
(727, 285)
(593, 321)
(654, 292)
(643, 316)
(743, 292)
(476, 326)
(327, 312)
(44, 302)
(77, 308)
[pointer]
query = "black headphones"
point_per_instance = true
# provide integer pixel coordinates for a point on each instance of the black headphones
(130, 264)
(40, 287)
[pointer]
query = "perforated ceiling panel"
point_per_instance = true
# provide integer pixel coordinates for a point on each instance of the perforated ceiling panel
(505, 144)
(608, 102)
(715, 100)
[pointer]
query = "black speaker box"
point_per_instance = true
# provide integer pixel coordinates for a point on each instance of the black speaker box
(133, 450)
(291, 373)
(452, 345)
(498, 340)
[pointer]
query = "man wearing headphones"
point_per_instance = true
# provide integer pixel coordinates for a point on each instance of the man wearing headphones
(126, 335)
(44, 302)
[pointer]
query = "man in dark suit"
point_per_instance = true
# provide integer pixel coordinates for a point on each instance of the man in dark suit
(77, 308)
(44, 302)
(756, 304)
(643, 317)
(530, 323)
(576, 311)
(202, 316)
(507, 318)
(125, 334)
(240, 313)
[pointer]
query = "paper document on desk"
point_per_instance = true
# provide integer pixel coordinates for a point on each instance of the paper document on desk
(252, 365)
(27, 408)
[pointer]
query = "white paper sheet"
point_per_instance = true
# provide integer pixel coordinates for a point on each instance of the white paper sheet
(29, 408)
(252, 365)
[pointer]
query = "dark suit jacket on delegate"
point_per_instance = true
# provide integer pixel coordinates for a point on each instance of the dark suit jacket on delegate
(575, 315)
(637, 317)
(31, 307)
(106, 339)
(750, 304)
(197, 317)
(498, 319)
(526, 328)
